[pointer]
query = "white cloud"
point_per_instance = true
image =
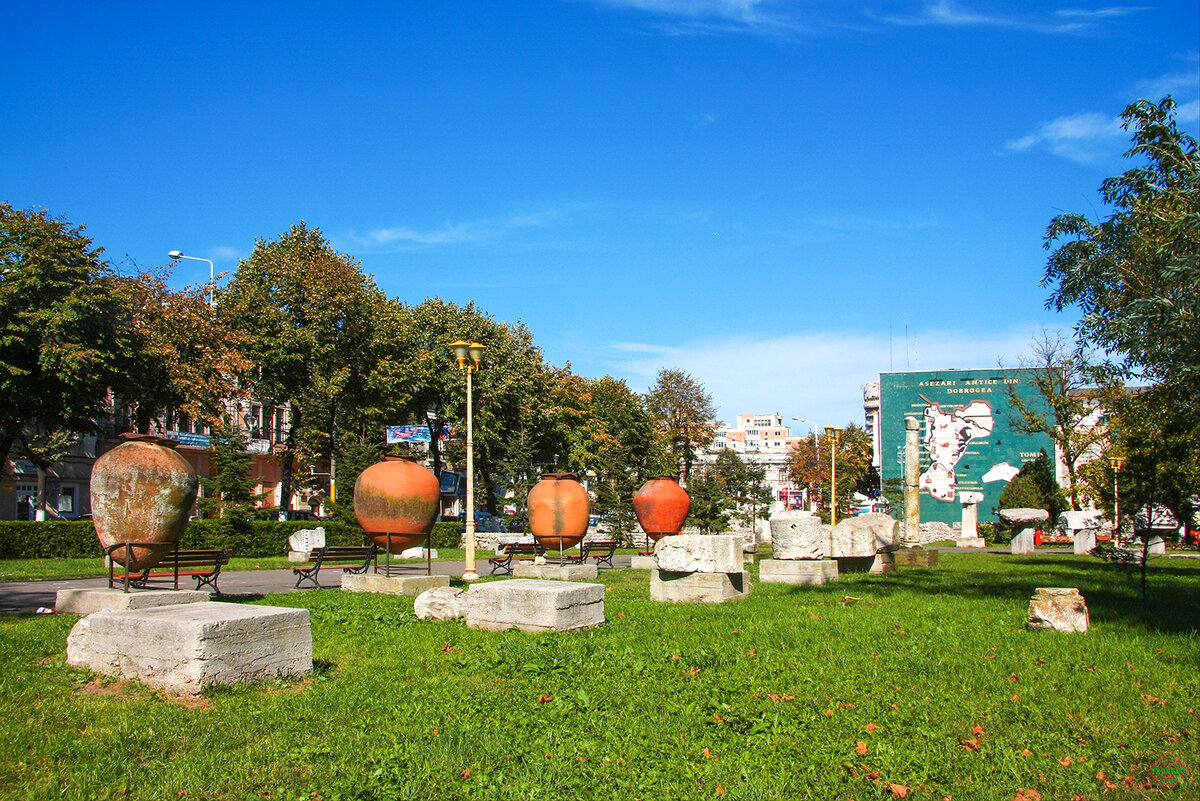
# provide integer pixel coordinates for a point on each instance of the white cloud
(815, 375)
(226, 253)
(1084, 138)
(708, 17)
(455, 233)
(959, 15)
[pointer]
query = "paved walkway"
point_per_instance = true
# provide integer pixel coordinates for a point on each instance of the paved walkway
(28, 596)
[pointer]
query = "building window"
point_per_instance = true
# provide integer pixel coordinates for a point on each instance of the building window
(66, 502)
(26, 501)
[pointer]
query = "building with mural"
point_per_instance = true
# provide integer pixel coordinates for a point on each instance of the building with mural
(968, 442)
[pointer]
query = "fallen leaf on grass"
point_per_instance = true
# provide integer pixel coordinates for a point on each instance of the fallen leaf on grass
(861, 748)
(676, 656)
(846, 706)
(1026, 752)
(718, 718)
(1015, 699)
(814, 615)
(898, 790)
(1065, 761)
(977, 730)
(693, 671)
(466, 774)
(1012, 676)
(544, 699)
(853, 772)
(970, 745)
(1026, 794)
(872, 727)
(829, 713)
(1150, 699)
(720, 790)
(709, 754)
(446, 649)
(620, 614)
(753, 653)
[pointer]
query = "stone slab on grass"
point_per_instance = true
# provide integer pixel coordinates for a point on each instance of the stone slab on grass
(915, 557)
(863, 535)
(187, 648)
(534, 605)
(970, 542)
(441, 603)
(700, 553)
(879, 563)
(392, 585)
(797, 571)
(698, 588)
(555, 572)
(1058, 608)
(90, 601)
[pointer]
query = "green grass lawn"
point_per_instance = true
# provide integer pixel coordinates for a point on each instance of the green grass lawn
(929, 685)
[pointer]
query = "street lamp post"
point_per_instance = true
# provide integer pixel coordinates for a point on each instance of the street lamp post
(833, 432)
(212, 278)
(468, 355)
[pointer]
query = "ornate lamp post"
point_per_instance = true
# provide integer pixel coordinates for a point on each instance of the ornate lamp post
(1117, 461)
(212, 283)
(833, 432)
(468, 355)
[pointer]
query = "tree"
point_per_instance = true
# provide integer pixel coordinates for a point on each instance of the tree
(1136, 275)
(1034, 487)
(58, 340)
(682, 412)
(1072, 411)
(230, 492)
(626, 456)
(853, 461)
(307, 313)
(745, 487)
(177, 354)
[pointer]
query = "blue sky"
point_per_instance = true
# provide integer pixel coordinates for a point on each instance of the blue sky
(781, 198)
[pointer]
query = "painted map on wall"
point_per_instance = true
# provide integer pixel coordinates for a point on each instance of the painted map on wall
(967, 440)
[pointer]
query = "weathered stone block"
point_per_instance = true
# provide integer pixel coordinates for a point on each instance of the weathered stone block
(970, 542)
(1016, 517)
(915, 557)
(797, 571)
(1058, 608)
(419, 552)
(705, 588)
(643, 563)
(799, 535)
(1023, 543)
(700, 553)
(876, 563)
(306, 540)
(1085, 541)
(90, 601)
(864, 535)
(1158, 546)
(441, 603)
(186, 648)
(534, 605)
(555, 572)
(391, 585)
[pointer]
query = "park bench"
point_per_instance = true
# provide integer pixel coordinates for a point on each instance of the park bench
(347, 558)
(204, 565)
(515, 550)
(600, 550)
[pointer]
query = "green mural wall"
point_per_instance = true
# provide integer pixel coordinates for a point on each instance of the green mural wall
(967, 440)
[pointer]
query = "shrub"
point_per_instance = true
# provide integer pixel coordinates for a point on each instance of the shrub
(42, 540)
(447, 535)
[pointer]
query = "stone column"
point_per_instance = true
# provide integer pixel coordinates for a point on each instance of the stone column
(969, 537)
(912, 490)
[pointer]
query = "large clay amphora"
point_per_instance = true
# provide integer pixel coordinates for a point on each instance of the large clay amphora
(142, 491)
(661, 506)
(398, 497)
(558, 511)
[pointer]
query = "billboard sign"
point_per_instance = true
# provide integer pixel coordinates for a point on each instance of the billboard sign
(396, 434)
(968, 442)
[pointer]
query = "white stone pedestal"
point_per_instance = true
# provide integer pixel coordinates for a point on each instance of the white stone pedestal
(970, 542)
(1085, 541)
(392, 585)
(534, 605)
(1023, 543)
(879, 563)
(90, 601)
(555, 572)
(797, 571)
(187, 647)
(704, 588)
(643, 563)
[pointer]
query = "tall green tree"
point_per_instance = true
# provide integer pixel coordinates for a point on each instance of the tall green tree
(626, 454)
(307, 313)
(682, 411)
(59, 345)
(1069, 408)
(230, 492)
(1135, 275)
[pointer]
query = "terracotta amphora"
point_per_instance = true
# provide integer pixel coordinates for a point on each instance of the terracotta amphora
(558, 511)
(661, 506)
(143, 492)
(398, 497)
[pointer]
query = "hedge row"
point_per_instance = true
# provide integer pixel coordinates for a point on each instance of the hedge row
(77, 538)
